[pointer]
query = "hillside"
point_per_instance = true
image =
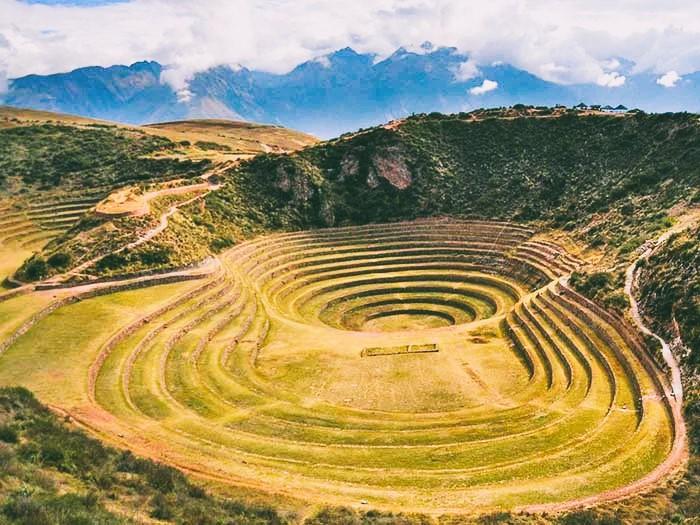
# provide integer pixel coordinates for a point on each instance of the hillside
(56, 168)
(671, 291)
(234, 137)
(69, 473)
(46, 153)
(612, 181)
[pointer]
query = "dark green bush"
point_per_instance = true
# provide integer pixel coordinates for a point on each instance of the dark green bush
(8, 434)
(59, 260)
(36, 268)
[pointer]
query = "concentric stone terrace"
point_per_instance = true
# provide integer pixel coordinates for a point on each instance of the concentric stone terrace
(437, 365)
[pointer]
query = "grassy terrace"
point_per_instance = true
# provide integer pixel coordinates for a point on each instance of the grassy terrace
(27, 226)
(256, 376)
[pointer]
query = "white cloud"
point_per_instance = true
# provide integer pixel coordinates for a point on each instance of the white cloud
(612, 79)
(324, 61)
(486, 86)
(611, 64)
(669, 79)
(564, 42)
(466, 71)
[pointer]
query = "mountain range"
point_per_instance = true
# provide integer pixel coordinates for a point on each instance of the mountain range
(333, 94)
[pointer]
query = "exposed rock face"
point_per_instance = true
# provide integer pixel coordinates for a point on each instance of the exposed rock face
(349, 167)
(284, 181)
(299, 181)
(327, 213)
(390, 165)
(372, 178)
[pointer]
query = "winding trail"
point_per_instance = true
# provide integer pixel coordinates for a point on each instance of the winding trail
(630, 284)
(674, 392)
(153, 232)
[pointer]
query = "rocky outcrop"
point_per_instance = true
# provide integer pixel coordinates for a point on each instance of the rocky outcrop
(349, 167)
(298, 178)
(388, 163)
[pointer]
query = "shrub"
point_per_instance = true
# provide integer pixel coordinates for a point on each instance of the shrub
(213, 146)
(59, 260)
(589, 517)
(8, 434)
(36, 268)
(112, 261)
(162, 478)
(22, 509)
(155, 256)
(160, 508)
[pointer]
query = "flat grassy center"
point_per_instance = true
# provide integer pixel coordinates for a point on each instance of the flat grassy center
(399, 320)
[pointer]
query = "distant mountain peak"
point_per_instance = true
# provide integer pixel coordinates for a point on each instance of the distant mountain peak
(345, 52)
(336, 92)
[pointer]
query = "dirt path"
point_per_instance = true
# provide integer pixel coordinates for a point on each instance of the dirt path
(205, 188)
(631, 276)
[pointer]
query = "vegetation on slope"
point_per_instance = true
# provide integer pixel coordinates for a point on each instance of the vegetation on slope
(54, 160)
(95, 236)
(52, 474)
(670, 291)
(670, 299)
(45, 156)
(625, 172)
(609, 179)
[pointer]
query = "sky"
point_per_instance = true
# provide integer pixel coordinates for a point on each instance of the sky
(564, 41)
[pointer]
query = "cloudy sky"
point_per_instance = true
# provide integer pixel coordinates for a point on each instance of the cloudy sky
(565, 41)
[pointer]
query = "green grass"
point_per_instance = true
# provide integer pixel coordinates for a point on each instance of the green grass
(54, 474)
(252, 378)
(54, 356)
(16, 311)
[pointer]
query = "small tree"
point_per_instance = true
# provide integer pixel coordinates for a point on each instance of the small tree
(59, 260)
(36, 269)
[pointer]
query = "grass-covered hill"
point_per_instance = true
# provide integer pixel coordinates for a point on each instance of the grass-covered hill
(47, 155)
(234, 137)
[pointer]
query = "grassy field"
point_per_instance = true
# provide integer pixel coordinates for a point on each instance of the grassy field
(211, 139)
(258, 378)
(226, 139)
